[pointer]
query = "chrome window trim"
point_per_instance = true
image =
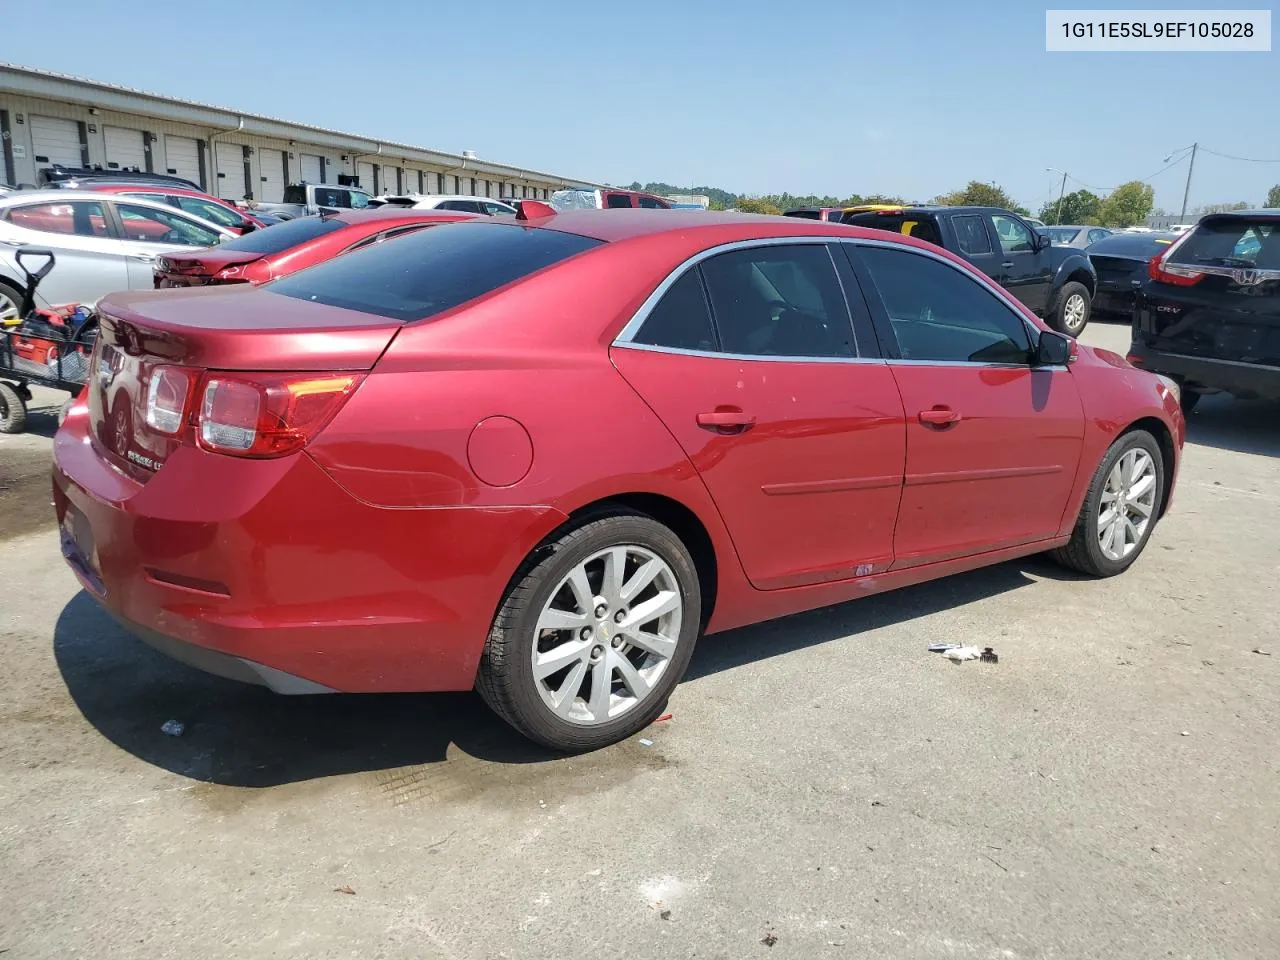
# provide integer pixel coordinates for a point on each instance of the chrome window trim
(626, 335)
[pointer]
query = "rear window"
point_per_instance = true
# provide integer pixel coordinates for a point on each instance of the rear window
(1133, 246)
(1060, 235)
(432, 271)
(806, 214)
(284, 235)
(1232, 242)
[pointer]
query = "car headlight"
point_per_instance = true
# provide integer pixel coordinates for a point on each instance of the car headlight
(1171, 385)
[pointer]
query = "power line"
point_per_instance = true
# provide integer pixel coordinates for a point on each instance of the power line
(1242, 159)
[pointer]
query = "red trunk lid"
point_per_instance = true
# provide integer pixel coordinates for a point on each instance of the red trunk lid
(223, 328)
(196, 269)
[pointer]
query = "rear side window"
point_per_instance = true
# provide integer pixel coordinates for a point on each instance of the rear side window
(284, 235)
(431, 271)
(971, 235)
(681, 319)
(617, 200)
(1231, 242)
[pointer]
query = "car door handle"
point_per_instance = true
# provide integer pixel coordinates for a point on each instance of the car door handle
(1007, 264)
(939, 417)
(726, 421)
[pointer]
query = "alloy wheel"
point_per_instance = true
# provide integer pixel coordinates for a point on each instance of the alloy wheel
(1073, 312)
(607, 634)
(1128, 502)
(8, 308)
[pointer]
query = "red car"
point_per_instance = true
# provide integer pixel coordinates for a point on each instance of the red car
(539, 457)
(290, 246)
(194, 202)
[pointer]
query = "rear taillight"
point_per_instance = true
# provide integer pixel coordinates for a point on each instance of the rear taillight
(167, 396)
(1175, 274)
(268, 415)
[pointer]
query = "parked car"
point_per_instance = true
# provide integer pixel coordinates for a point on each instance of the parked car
(308, 199)
(291, 246)
(825, 214)
(1120, 261)
(194, 202)
(359, 477)
(1038, 224)
(609, 199)
(1209, 312)
(1056, 283)
(76, 178)
(102, 242)
(1074, 235)
(461, 203)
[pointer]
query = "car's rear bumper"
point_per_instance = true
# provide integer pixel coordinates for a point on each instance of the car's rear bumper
(1248, 380)
(270, 572)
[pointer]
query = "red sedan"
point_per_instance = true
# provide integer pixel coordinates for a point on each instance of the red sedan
(293, 245)
(540, 457)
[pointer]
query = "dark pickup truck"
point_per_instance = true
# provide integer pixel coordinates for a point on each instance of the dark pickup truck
(1057, 283)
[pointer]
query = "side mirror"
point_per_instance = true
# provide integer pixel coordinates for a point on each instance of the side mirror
(247, 226)
(1042, 241)
(1054, 349)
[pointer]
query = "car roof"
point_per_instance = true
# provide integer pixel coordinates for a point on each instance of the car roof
(51, 196)
(462, 196)
(149, 186)
(383, 214)
(625, 223)
(1074, 226)
(1271, 213)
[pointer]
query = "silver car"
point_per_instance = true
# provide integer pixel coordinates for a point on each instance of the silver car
(102, 242)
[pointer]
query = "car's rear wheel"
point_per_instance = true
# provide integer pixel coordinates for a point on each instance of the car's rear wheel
(1120, 509)
(594, 634)
(10, 301)
(1071, 314)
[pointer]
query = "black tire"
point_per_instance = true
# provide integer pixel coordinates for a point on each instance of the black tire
(1083, 552)
(505, 679)
(1190, 398)
(1058, 320)
(13, 410)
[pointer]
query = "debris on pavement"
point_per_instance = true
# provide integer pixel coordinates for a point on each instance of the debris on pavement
(1265, 653)
(942, 647)
(958, 654)
(989, 656)
(769, 939)
(646, 743)
(172, 728)
(664, 717)
(1186, 733)
(665, 914)
(347, 890)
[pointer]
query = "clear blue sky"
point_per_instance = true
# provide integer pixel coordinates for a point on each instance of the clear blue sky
(909, 98)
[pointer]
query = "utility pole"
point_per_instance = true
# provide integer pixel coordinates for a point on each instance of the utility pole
(1187, 192)
(1061, 193)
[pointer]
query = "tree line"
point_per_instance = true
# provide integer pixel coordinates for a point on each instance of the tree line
(1127, 205)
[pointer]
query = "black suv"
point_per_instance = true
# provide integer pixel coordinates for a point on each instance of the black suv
(1208, 314)
(1057, 283)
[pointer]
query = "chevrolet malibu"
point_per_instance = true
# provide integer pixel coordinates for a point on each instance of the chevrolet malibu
(540, 457)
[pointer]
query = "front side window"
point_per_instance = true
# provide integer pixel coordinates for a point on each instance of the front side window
(1014, 235)
(617, 200)
(938, 313)
(779, 301)
(81, 218)
(208, 210)
(493, 209)
(161, 226)
(652, 203)
(1096, 235)
(971, 235)
(681, 319)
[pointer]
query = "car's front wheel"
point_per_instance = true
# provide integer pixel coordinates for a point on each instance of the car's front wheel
(1071, 313)
(1120, 509)
(594, 634)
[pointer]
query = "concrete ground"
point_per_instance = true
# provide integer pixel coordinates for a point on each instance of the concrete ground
(825, 788)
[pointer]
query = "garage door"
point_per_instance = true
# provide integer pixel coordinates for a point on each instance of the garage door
(389, 182)
(125, 149)
(270, 176)
(182, 158)
(230, 167)
(310, 168)
(365, 172)
(55, 141)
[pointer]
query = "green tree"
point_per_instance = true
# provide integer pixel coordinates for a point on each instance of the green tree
(1078, 207)
(1127, 205)
(758, 205)
(1220, 208)
(1273, 196)
(979, 194)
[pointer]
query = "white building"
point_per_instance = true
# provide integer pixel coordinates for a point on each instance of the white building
(49, 118)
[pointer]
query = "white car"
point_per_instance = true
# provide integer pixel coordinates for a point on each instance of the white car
(101, 242)
(465, 204)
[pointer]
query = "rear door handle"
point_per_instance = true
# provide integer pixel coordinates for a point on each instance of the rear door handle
(939, 417)
(1007, 264)
(726, 421)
